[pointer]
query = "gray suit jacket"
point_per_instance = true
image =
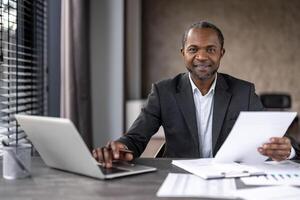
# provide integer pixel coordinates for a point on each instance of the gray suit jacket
(171, 104)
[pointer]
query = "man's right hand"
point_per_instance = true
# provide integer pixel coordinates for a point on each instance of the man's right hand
(112, 151)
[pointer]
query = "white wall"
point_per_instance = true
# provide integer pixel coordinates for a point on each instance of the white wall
(107, 52)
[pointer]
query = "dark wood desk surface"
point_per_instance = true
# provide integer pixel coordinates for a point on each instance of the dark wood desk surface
(47, 183)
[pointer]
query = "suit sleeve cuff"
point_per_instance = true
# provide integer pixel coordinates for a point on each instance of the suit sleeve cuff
(292, 154)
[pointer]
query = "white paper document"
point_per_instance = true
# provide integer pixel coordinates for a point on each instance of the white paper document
(277, 173)
(269, 193)
(250, 131)
(188, 185)
(208, 169)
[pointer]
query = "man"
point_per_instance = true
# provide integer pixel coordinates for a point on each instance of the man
(196, 109)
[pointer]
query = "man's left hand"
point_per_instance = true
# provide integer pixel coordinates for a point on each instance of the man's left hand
(279, 148)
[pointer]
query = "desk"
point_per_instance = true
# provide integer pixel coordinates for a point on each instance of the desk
(47, 183)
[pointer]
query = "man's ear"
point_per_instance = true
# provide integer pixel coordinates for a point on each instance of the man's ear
(222, 52)
(182, 51)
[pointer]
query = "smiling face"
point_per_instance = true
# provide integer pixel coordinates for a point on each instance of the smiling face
(202, 53)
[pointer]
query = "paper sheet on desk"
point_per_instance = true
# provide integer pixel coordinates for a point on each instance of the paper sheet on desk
(269, 193)
(188, 185)
(250, 131)
(277, 173)
(208, 169)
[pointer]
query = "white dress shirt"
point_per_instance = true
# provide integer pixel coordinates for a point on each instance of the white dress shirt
(204, 114)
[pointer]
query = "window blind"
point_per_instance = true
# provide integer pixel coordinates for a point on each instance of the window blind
(23, 65)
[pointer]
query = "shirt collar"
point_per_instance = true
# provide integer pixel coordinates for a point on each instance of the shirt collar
(212, 87)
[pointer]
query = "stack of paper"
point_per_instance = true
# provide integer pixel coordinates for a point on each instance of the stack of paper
(188, 185)
(207, 169)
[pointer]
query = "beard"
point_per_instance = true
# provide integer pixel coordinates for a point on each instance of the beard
(200, 75)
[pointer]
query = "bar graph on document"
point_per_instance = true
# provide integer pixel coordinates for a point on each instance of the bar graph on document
(277, 173)
(273, 179)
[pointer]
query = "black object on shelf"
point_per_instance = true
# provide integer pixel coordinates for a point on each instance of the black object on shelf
(276, 101)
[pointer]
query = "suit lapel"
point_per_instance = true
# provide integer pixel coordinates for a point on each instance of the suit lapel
(221, 101)
(185, 101)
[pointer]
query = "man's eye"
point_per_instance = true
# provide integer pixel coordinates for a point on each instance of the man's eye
(211, 50)
(192, 50)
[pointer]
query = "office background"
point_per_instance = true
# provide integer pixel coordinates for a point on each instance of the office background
(261, 40)
(134, 43)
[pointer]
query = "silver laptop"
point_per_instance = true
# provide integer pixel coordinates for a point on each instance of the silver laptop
(61, 147)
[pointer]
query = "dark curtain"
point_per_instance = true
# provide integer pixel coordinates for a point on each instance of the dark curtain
(75, 73)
